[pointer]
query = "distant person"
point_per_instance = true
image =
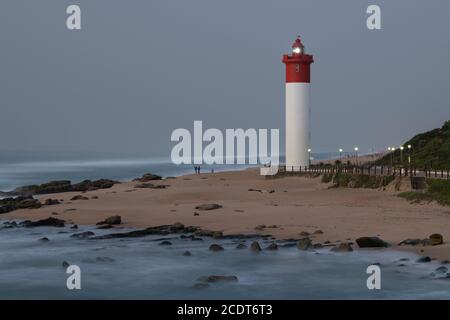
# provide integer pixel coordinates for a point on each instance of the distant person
(212, 170)
(196, 169)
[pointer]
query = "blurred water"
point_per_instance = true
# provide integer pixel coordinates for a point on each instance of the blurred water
(143, 269)
(18, 168)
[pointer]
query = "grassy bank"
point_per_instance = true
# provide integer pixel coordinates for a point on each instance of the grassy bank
(356, 180)
(437, 190)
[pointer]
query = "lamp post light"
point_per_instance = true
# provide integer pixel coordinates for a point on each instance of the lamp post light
(401, 154)
(309, 157)
(409, 159)
(340, 154)
(356, 153)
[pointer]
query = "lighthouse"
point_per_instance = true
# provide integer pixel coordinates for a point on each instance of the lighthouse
(298, 80)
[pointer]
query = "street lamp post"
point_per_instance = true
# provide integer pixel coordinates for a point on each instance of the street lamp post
(340, 154)
(409, 160)
(356, 153)
(401, 154)
(309, 157)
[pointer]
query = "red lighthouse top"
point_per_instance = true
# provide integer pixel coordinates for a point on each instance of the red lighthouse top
(298, 63)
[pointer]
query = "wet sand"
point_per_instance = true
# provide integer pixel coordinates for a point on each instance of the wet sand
(298, 204)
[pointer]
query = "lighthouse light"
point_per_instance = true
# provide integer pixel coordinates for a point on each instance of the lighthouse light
(297, 50)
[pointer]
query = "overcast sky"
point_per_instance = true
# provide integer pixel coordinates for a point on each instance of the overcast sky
(139, 69)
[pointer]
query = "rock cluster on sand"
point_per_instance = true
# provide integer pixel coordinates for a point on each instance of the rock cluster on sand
(433, 240)
(371, 242)
(148, 177)
(51, 202)
(146, 185)
(25, 202)
(79, 197)
(208, 206)
(64, 186)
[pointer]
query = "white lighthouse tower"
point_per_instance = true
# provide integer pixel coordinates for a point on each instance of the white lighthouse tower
(297, 106)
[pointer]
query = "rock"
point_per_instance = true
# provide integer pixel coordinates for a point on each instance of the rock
(424, 259)
(214, 279)
(83, 235)
(65, 264)
(64, 186)
(51, 202)
(260, 227)
(177, 228)
(272, 246)
(187, 253)
(113, 220)
(343, 247)
(79, 197)
(436, 239)
(371, 242)
(317, 246)
(304, 234)
(21, 202)
(441, 270)
(304, 244)
(318, 232)
(255, 247)
(44, 239)
(94, 197)
(49, 222)
(74, 226)
(241, 246)
(196, 214)
(215, 247)
(208, 206)
(148, 177)
(150, 186)
(165, 243)
(411, 242)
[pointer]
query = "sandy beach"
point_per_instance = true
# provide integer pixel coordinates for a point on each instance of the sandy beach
(298, 204)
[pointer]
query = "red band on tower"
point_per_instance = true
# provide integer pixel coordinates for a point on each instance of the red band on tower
(298, 64)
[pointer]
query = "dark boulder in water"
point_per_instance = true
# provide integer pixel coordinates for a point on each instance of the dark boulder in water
(255, 247)
(49, 222)
(83, 235)
(113, 220)
(371, 242)
(304, 244)
(424, 259)
(343, 247)
(215, 278)
(272, 246)
(216, 247)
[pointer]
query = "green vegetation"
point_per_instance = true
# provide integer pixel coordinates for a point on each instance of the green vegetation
(437, 190)
(356, 180)
(429, 149)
